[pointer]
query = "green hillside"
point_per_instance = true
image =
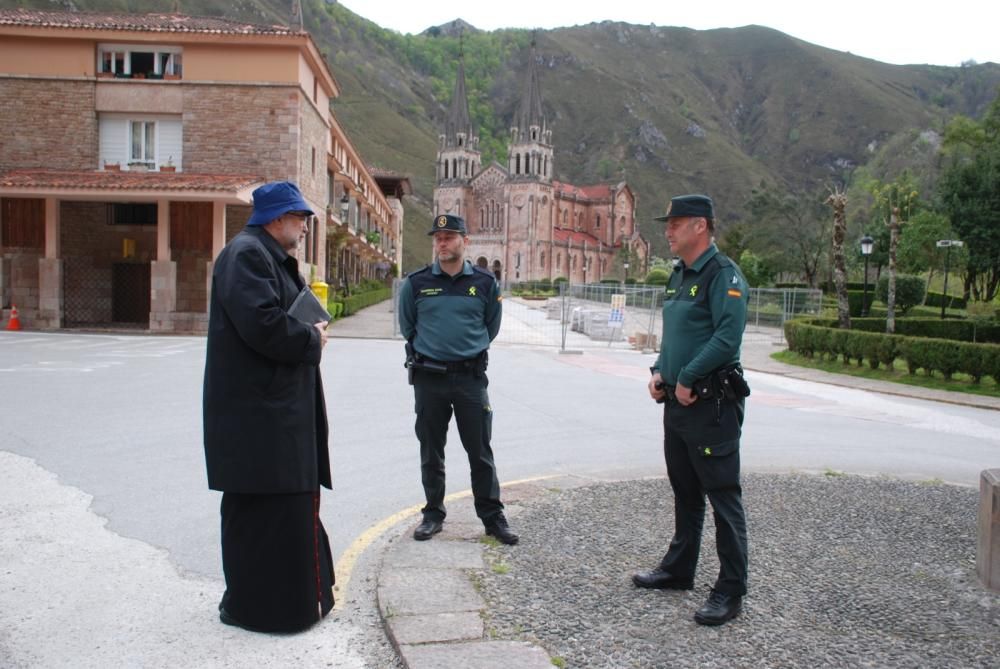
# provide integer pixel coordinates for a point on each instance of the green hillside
(671, 110)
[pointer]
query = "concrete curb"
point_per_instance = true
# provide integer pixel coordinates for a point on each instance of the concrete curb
(427, 598)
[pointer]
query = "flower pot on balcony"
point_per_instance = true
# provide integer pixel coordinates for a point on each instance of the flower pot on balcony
(168, 168)
(112, 167)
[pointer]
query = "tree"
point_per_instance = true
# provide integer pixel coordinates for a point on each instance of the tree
(838, 202)
(790, 230)
(918, 251)
(755, 269)
(969, 192)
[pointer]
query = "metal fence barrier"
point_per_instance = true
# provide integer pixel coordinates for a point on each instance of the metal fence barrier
(623, 317)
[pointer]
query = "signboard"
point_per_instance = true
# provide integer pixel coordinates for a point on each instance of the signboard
(617, 316)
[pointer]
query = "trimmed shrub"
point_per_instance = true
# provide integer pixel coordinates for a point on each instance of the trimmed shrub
(909, 291)
(657, 277)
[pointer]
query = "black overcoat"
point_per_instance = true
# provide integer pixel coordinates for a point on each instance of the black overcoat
(264, 415)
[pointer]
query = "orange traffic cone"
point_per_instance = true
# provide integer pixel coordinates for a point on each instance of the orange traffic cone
(14, 323)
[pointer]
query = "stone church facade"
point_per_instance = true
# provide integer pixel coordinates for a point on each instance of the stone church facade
(523, 224)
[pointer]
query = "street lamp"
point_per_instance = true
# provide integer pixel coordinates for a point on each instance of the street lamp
(625, 265)
(866, 250)
(947, 244)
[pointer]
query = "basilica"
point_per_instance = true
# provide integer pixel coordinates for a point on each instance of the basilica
(523, 224)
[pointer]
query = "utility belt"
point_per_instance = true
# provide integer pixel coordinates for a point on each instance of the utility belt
(724, 383)
(419, 362)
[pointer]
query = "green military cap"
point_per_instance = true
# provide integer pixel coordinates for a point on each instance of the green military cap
(449, 222)
(689, 205)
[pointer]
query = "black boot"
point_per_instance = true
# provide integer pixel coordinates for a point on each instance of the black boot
(427, 529)
(497, 526)
(718, 608)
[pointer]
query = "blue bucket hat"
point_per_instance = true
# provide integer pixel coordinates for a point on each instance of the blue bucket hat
(276, 199)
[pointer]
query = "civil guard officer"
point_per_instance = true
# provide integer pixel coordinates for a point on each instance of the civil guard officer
(698, 378)
(449, 313)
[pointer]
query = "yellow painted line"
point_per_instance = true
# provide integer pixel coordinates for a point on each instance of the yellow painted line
(349, 558)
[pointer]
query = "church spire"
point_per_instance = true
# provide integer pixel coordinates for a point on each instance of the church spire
(458, 148)
(530, 154)
(458, 115)
(530, 112)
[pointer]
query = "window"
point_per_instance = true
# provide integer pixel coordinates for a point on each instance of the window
(142, 143)
(127, 213)
(139, 61)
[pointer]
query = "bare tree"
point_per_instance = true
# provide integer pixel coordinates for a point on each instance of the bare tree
(894, 201)
(838, 202)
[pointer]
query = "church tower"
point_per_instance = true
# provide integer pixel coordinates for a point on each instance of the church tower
(458, 157)
(530, 155)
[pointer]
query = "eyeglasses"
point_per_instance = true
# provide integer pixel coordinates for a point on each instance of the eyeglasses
(298, 214)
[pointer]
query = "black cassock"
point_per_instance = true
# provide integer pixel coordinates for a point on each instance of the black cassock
(266, 438)
(276, 558)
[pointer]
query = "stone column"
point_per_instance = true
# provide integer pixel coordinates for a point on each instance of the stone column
(218, 243)
(988, 550)
(50, 271)
(163, 275)
(50, 293)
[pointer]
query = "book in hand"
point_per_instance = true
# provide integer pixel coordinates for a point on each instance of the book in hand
(307, 308)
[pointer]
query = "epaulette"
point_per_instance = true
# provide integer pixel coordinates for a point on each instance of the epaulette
(477, 268)
(723, 260)
(425, 268)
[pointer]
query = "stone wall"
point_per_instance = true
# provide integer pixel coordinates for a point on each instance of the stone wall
(48, 123)
(258, 134)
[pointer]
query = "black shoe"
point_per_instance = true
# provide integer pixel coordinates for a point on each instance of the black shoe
(229, 620)
(497, 527)
(661, 580)
(427, 529)
(718, 608)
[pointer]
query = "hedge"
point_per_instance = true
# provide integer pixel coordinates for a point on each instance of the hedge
(821, 337)
(951, 302)
(358, 301)
(960, 330)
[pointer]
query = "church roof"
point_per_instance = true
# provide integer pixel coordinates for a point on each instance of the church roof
(594, 192)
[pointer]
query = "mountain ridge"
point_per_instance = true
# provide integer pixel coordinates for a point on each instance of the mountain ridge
(669, 109)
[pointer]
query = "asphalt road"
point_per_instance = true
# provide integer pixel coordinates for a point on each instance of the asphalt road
(118, 417)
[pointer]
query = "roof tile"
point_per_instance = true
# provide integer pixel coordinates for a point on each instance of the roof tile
(159, 22)
(126, 181)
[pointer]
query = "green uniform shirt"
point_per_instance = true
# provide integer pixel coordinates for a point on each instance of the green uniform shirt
(704, 314)
(450, 318)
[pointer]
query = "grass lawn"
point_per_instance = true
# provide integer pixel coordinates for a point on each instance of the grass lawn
(960, 383)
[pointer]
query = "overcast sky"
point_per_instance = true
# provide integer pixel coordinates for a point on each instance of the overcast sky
(942, 33)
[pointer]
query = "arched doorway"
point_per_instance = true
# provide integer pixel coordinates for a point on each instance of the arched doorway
(482, 262)
(497, 269)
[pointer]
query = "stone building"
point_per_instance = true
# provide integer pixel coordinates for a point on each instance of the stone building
(132, 145)
(524, 225)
